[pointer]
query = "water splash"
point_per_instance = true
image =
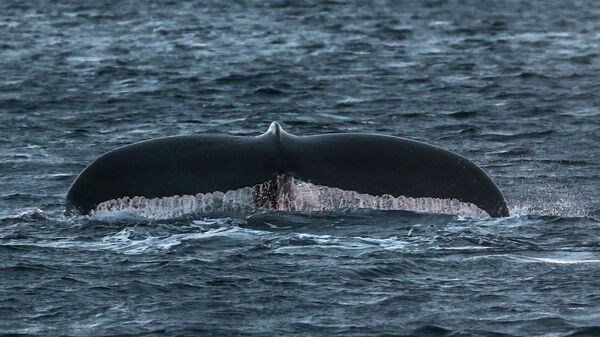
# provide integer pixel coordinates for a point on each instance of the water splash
(282, 194)
(552, 201)
(235, 201)
(309, 197)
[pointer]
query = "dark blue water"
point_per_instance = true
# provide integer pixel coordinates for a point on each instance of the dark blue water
(512, 85)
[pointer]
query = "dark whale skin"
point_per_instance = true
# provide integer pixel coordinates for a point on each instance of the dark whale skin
(365, 163)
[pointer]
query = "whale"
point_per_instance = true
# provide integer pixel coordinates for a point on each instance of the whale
(372, 164)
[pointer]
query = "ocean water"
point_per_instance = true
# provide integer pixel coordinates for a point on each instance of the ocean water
(511, 85)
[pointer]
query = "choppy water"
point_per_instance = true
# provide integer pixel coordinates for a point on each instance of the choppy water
(511, 85)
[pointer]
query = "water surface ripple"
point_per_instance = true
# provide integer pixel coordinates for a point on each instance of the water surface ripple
(511, 85)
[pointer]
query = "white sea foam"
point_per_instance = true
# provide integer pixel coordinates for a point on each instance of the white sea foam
(125, 240)
(283, 194)
(559, 258)
(325, 243)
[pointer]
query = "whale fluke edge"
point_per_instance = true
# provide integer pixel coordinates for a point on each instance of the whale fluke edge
(366, 163)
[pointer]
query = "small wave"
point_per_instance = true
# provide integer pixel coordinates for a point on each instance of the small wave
(129, 241)
(432, 330)
(573, 258)
(562, 258)
(282, 194)
(34, 214)
(585, 332)
(268, 91)
(305, 244)
(461, 114)
(557, 261)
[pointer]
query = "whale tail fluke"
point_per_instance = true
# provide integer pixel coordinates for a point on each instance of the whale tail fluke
(371, 164)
